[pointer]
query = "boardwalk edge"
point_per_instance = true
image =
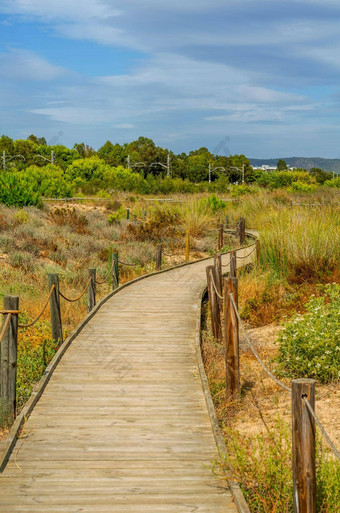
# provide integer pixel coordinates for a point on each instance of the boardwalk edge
(7, 445)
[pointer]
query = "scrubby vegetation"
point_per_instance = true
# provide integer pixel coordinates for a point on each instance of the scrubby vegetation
(309, 345)
(35, 170)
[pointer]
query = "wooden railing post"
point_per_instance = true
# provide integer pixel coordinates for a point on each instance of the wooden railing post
(233, 264)
(214, 303)
(135, 219)
(159, 257)
(258, 252)
(115, 270)
(8, 364)
(303, 427)
(226, 222)
(127, 213)
(91, 291)
(187, 246)
(231, 330)
(220, 236)
(242, 230)
(57, 330)
(218, 271)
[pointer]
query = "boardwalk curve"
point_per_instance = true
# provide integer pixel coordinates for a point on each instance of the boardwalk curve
(123, 424)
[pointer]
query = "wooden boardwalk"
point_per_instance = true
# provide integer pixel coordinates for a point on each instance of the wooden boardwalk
(123, 424)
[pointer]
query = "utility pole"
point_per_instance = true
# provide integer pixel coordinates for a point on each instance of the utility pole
(128, 162)
(209, 173)
(4, 160)
(52, 157)
(242, 173)
(168, 165)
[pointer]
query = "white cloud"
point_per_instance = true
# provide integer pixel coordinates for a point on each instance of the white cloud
(23, 65)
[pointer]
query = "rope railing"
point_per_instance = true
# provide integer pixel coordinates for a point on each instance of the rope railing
(24, 326)
(322, 429)
(282, 385)
(246, 256)
(226, 265)
(101, 282)
(129, 265)
(5, 326)
(225, 328)
(80, 296)
(214, 285)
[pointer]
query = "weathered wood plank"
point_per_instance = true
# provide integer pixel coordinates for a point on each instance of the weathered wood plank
(123, 425)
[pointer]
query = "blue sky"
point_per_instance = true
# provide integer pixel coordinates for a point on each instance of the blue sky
(253, 77)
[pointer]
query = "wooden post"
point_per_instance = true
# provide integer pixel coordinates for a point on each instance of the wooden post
(144, 214)
(214, 304)
(231, 330)
(242, 230)
(220, 236)
(187, 247)
(258, 252)
(218, 269)
(233, 264)
(303, 427)
(226, 222)
(127, 213)
(91, 291)
(57, 331)
(115, 271)
(8, 364)
(159, 257)
(135, 219)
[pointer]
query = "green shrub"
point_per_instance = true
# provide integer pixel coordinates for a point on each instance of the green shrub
(213, 203)
(240, 190)
(21, 217)
(16, 192)
(299, 185)
(116, 216)
(278, 179)
(309, 346)
(333, 183)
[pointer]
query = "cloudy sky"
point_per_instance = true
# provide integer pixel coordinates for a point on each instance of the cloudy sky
(254, 77)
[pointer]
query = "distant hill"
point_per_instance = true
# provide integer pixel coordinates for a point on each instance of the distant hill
(304, 162)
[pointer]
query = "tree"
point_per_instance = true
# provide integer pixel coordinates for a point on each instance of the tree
(281, 165)
(113, 154)
(40, 141)
(6, 144)
(85, 151)
(320, 175)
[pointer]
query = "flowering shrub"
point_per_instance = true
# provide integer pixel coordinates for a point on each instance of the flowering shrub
(299, 185)
(309, 346)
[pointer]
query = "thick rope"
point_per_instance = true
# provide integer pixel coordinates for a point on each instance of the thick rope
(226, 265)
(101, 282)
(42, 311)
(129, 265)
(282, 385)
(322, 429)
(4, 329)
(79, 297)
(214, 285)
(246, 256)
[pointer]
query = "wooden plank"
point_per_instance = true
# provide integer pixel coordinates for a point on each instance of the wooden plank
(128, 436)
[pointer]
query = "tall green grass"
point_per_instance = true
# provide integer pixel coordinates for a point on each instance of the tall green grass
(298, 243)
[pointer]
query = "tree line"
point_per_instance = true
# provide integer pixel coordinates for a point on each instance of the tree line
(142, 156)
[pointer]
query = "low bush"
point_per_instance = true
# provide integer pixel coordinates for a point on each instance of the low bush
(299, 185)
(16, 192)
(333, 183)
(309, 346)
